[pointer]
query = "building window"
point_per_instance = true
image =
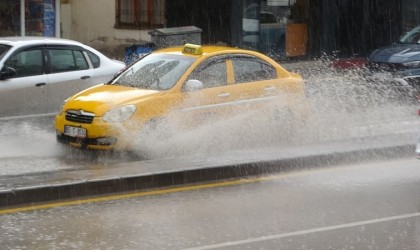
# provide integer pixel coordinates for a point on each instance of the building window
(140, 14)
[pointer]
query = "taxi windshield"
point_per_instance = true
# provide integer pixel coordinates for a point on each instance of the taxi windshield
(3, 49)
(155, 71)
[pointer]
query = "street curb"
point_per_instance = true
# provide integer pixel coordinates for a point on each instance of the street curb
(111, 185)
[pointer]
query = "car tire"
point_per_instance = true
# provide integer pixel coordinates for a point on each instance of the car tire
(152, 138)
(284, 123)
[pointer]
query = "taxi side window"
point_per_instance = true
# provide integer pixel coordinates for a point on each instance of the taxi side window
(26, 63)
(63, 60)
(251, 69)
(211, 73)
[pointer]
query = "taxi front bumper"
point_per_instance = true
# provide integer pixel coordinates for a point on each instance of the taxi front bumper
(102, 143)
(100, 135)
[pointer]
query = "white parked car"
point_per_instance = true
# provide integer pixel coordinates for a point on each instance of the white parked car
(38, 73)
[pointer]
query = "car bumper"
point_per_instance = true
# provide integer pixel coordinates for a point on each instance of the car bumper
(103, 143)
(399, 76)
(399, 79)
(398, 84)
(100, 135)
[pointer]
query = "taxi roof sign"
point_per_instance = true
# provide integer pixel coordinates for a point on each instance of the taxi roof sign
(192, 49)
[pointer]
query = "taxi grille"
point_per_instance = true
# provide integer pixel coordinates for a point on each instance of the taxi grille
(79, 116)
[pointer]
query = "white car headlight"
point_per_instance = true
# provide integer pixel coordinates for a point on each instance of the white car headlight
(414, 64)
(119, 114)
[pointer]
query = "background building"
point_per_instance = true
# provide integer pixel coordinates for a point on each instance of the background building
(39, 16)
(283, 29)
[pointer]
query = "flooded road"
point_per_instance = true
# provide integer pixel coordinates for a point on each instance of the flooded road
(342, 106)
(362, 206)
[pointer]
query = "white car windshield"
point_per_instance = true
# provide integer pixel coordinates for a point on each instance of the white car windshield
(155, 71)
(3, 49)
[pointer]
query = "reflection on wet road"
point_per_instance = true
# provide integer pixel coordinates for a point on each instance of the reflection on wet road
(369, 206)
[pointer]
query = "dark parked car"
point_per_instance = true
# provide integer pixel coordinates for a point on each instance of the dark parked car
(398, 64)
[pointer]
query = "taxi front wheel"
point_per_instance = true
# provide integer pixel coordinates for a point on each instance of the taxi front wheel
(157, 129)
(284, 122)
(283, 117)
(152, 138)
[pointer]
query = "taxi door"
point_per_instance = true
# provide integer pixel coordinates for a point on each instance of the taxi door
(256, 83)
(24, 93)
(215, 97)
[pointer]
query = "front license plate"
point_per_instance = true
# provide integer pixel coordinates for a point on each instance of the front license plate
(75, 131)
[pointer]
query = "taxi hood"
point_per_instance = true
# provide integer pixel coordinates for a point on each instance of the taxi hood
(101, 98)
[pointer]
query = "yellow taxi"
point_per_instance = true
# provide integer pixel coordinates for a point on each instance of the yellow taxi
(192, 81)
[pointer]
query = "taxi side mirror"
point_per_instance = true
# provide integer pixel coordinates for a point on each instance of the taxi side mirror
(193, 85)
(7, 72)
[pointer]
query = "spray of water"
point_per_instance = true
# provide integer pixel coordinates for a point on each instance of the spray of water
(342, 105)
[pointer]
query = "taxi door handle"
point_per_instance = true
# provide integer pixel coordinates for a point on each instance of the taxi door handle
(40, 84)
(84, 77)
(269, 88)
(223, 95)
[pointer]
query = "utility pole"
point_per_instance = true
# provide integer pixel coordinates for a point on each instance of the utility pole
(57, 18)
(22, 17)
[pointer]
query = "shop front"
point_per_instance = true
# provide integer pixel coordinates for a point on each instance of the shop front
(275, 27)
(41, 18)
(286, 29)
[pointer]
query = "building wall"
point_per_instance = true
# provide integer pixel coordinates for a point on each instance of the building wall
(92, 22)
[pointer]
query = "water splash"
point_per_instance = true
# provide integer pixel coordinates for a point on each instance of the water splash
(342, 105)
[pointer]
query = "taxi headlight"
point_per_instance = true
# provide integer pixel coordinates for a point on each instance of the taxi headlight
(119, 114)
(414, 64)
